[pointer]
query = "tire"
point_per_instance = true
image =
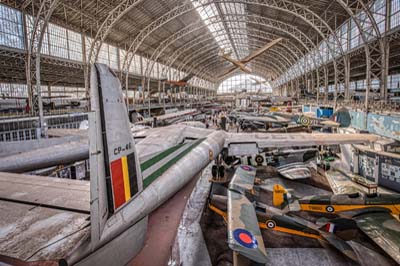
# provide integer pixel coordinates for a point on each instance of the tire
(259, 159)
(221, 172)
(214, 171)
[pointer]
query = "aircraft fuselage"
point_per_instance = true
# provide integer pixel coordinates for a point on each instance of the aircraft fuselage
(350, 202)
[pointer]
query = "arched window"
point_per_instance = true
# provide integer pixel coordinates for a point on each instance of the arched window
(244, 82)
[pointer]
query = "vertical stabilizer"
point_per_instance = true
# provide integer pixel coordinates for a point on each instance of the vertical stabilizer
(115, 173)
(279, 198)
(282, 199)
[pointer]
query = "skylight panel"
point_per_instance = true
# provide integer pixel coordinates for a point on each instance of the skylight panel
(231, 34)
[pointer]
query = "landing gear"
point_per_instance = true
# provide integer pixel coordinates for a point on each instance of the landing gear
(259, 160)
(218, 169)
(221, 171)
(214, 171)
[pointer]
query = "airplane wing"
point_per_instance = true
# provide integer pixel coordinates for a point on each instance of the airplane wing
(13, 97)
(229, 71)
(383, 229)
(187, 78)
(44, 97)
(249, 144)
(267, 119)
(340, 184)
(260, 51)
(244, 235)
(168, 116)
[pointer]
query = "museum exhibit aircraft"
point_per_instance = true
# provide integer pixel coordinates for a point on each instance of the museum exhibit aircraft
(168, 118)
(105, 223)
(337, 203)
(244, 220)
(242, 144)
(266, 118)
(127, 182)
(372, 213)
(18, 103)
(256, 122)
(179, 83)
(291, 163)
(241, 64)
(26, 98)
(274, 120)
(260, 82)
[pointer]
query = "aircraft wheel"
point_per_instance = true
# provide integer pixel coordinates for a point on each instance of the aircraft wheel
(214, 171)
(259, 160)
(221, 172)
(329, 209)
(270, 224)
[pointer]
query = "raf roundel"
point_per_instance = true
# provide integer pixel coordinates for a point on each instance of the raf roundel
(330, 208)
(305, 121)
(245, 238)
(270, 224)
(246, 168)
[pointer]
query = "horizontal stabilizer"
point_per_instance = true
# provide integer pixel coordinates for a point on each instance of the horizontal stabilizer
(340, 245)
(327, 233)
(294, 171)
(383, 229)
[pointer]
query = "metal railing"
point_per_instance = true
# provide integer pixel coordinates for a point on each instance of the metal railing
(26, 128)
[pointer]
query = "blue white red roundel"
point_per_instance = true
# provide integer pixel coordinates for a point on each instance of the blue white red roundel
(246, 168)
(245, 238)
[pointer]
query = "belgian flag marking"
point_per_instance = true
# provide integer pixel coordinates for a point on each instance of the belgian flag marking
(123, 179)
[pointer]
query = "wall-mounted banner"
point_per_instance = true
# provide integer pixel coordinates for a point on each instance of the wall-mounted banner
(358, 120)
(387, 126)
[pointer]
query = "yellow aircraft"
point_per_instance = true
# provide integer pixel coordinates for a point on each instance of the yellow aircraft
(373, 213)
(336, 203)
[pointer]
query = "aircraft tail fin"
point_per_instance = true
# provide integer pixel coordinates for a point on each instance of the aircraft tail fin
(279, 198)
(283, 199)
(114, 165)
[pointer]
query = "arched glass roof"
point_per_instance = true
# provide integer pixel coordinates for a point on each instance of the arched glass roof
(244, 82)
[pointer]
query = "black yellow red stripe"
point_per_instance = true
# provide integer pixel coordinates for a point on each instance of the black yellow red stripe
(321, 208)
(123, 179)
(290, 231)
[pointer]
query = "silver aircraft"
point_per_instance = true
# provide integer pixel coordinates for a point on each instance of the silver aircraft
(104, 222)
